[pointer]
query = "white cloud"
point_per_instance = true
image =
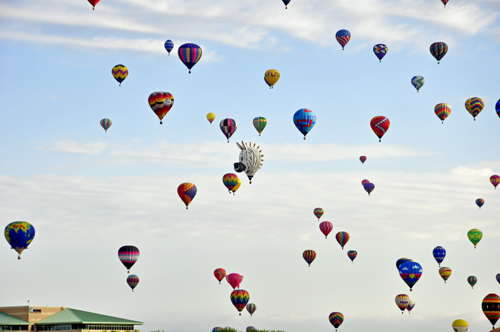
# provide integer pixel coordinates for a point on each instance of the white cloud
(66, 146)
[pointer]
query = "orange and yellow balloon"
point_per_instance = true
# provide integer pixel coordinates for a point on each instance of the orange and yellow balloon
(210, 117)
(186, 192)
(161, 103)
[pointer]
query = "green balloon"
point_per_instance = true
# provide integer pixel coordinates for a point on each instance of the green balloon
(259, 123)
(475, 235)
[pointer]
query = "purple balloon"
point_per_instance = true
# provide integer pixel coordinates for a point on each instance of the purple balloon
(369, 187)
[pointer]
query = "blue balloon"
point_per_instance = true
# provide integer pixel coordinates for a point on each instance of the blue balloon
(286, 2)
(497, 107)
(369, 187)
(304, 119)
(169, 46)
(380, 51)
(439, 254)
(410, 272)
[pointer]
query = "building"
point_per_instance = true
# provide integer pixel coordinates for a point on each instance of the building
(33, 318)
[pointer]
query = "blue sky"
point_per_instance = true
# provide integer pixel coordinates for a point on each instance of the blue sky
(88, 192)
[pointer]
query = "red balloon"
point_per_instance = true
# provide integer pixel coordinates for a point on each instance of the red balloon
(234, 279)
(326, 227)
(363, 159)
(219, 274)
(93, 3)
(495, 180)
(380, 124)
(365, 181)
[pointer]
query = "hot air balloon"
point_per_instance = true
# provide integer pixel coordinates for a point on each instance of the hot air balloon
(132, 281)
(250, 160)
(439, 254)
(231, 180)
(286, 2)
(365, 181)
(497, 107)
(410, 272)
(228, 127)
(444, 2)
(234, 279)
(216, 329)
(442, 111)
(219, 274)
(105, 124)
(251, 308)
(169, 46)
(186, 192)
(498, 278)
(380, 51)
(401, 261)
(336, 319)
(342, 238)
(128, 255)
(479, 202)
(472, 280)
(438, 50)
(210, 117)
(251, 328)
(309, 256)
(474, 105)
(120, 73)
(491, 307)
(326, 227)
(459, 325)
(495, 180)
(417, 82)
(318, 212)
(19, 234)
(93, 3)
(189, 54)
(352, 254)
(240, 298)
(380, 124)
(475, 235)
(259, 123)
(411, 305)
(304, 119)
(271, 77)
(369, 187)
(362, 159)
(343, 36)
(445, 273)
(402, 301)
(161, 103)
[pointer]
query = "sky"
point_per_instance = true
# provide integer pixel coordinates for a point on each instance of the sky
(88, 192)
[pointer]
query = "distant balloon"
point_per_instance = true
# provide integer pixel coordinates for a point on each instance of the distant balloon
(210, 117)
(169, 46)
(498, 278)
(231, 180)
(120, 73)
(93, 3)
(410, 272)
(444, 3)
(445, 273)
(417, 82)
(439, 254)
(352, 254)
(132, 281)
(304, 119)
(343, 36)
(438, 50)
(342, 238)
(271, 77)
(189, 54)
(19, 234)
(402, 301)
(380, 51)
(216, 329)
(472, 280)
(228, 127)
(105, 124)
(369, 187)
(401, 261)
(475, 235)
(491, 307)
(336, 319)
(286, 2)
(237, 186)
(318, 212)
(365, 181)
(497, 107)
(495, 180)
(251, 328)
(240, 298)
(411, 305)
(362, 159)
(442, 111)
(186, 192)
(480, 202)
(251, 308)
(326, 227)
(234, 279)
(161, 103)
(459, 325)
(259, 123)
(380, 124)
(219, 274)
(309, 256)
(474, 105)
(250, 160)
(128, 255)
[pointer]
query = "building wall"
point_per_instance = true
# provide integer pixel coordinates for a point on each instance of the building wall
(31, 314)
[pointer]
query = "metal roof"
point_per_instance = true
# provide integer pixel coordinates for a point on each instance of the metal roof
(74, 316)
(11, 320)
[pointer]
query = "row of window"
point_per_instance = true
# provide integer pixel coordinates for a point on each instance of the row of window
(67, 327)
(14, 328)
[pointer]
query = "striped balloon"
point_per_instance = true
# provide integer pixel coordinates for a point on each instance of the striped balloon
(286, 2)
(132, 281)
(186, 192)
(105, 123)
(309, 256)
(259, 123)
(161, 103)
(352, 254)
(219, 274)
(304, 119)
(228, 127)
(128, 255)
(240, 298)
(120, 73)
(491, 307)
(326, 227)
(251, 307)
(169, 46)
(474, 105)
(402, 301)
(417, 82)
(442, 111)
(380, 124)
(342, 238)
(343, 36)
(445, 273)
(336, 319)
(380, 51)
(472, 280)
(438, 50)
(189, 54)
(318, 212)
(479, 202)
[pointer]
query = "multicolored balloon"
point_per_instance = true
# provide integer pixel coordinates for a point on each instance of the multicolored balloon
(495, 180)
(19, 234)
(120, 73)
(411, 305)
(259, 123)
(402, 301)
(438, 50)
(309, 256)
(362, 159)
(497, 107)
(380, 124)
(410, 272)
(442, 111)
(475, 235)
(336, 319)
(286, 2)
(210, 117)
(186, 192)
(418, 82)
(240, 298)
(472, 280)
(271, 77)
(105, 124)
(369, 187)
(234, 279)
(401, 261)
(459, 325)
(352, 254)
(250, 160)
(342, 238)
(219, 274)
(444, 2)
(491, 307)
(132, 281)
(325, 227)
(251, 308)
(304, 119)
(231, 180)
(228, 127)
(161, 103)
(251, 328)
(343, 36)
(445, 273)
(380, 51)
(480, 202)
(128, 255)
(439, 254)
(169, 46)
(93, 3)
(189, 54)
(318, 212)
(474, 105)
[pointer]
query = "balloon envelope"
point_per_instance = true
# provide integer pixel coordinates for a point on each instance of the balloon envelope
(365, 181)
(234, 279)
(161, 103)
(132, 281)
(410, 272)
(439, 254)
(438, 50)
(228, 127)
(380, 51)
(480, 202)
(495, 180)
(120, 73)
(474, 105)
(352, 254)
(286, 2)
(251, 328)
(318, 212)
(19, 234)
(472, 280)
(259, 124)
(210, 117)
(442, 111)
(401, 261)
(304, 119)
(251, 307)
(369, 187)
(342, 238)
(497, 107)
(325, 228)
(380, 124)
(219, 274)
(189, 54)
(105, 124)
(240, 298)
(362, 159)
(460, 325)
(336, 319)
(169, 46)
(186, 192)
(491, 307)
(271, 77)
(417, 82)
(93, 3)
(411, 305)
(128, 255)
(402, 301)
(309, 256)
(343, 36)
(230, 180)
(445, 273)
(475, 235)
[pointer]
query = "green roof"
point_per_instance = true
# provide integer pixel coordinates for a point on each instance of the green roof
(11, 320)
(74, 316)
